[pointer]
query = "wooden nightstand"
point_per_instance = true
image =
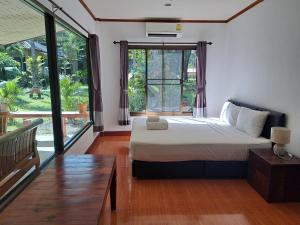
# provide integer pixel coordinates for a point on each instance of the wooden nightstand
(275, 179)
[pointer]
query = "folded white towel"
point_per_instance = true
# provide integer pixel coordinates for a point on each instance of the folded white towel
(153, 118)
(162, 124)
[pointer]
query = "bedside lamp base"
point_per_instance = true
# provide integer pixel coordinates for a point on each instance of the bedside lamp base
(279, 150)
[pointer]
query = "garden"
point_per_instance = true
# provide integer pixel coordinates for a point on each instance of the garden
(25, 86)
(172, 90)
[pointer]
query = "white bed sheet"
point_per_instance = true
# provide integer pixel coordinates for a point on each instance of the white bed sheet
(191, 139)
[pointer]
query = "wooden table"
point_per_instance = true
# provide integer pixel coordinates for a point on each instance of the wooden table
(72, 191)
(275, 179)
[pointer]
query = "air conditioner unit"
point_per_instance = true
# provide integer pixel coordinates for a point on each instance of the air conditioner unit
(164, 30)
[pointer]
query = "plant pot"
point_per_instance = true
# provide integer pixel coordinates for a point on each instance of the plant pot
(3, 107)
(3, 118)
(36, 90)
(82, 107)
(185, 108)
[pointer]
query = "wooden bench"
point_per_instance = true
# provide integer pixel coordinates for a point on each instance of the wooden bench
(18, 154)
(71, 191)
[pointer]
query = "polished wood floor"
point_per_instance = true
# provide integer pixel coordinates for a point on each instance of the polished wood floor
(187, 202)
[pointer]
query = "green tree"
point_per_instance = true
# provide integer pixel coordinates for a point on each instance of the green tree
(68, 90)
(35, 69)
(136, 94)
(137, 80)
(16, 50)
(6, 61)
(73, 47)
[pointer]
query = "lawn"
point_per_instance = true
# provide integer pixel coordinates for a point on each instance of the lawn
(26, 104)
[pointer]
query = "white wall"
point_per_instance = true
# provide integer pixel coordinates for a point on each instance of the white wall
(109, 32)
(264, 60)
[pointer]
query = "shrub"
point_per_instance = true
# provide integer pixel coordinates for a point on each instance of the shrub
(9, 93)
(68, 90)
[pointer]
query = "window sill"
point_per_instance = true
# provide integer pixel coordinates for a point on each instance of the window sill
(77, 136)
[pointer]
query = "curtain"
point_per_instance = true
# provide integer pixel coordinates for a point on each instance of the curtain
(124, 117)
(96, 80)
(200, 99)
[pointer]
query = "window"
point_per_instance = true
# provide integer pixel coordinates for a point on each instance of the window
(161, 80)
(137, 80)
(24, 78)
(74, 89)
(25, 84)
(39, 79)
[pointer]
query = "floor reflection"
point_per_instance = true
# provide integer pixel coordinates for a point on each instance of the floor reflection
(185, 201)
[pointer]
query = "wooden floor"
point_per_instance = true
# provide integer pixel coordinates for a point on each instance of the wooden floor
(187, 202)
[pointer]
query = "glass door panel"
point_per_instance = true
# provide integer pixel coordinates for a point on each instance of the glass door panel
(189, 81)
(24, 78)
(154, 100)
(155, 64)
(73, 75)
(171, 98)
(172, 64)
(137, 80)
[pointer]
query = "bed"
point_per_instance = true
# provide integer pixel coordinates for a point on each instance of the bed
(196, 148)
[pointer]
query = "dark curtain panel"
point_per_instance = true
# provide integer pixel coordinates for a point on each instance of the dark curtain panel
(124, 117)
(96, 80)
(200, 100)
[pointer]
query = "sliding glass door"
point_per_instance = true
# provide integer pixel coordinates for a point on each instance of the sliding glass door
(44, 74)
(73, 77)
(24, 75)
(164, 80)
(28, 90)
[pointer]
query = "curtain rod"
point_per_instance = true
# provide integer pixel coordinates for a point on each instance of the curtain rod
(68, 15)
(164, 43)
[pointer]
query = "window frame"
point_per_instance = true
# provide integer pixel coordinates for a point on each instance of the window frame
(163, 48)
(68, 144)
(59, 146)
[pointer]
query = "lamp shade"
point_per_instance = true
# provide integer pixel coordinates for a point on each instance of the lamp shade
(280, 135)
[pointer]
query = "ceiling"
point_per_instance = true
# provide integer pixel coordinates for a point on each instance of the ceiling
(19, 21)
(216, 10)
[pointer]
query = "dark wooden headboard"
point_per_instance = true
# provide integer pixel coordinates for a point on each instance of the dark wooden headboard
(274, 119)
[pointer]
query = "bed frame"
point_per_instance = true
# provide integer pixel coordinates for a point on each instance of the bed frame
(205, 169)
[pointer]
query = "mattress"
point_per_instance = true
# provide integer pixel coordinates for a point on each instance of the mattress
(190, 139)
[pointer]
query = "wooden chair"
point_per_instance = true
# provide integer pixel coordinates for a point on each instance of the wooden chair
(18, 154)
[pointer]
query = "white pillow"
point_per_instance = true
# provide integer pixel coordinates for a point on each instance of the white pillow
(229, 113)
(251, 121)
(224, 111)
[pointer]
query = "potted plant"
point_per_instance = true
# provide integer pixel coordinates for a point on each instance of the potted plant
(82, 104)
(9, 92)
(185, 106)
(3, 106)
(35, 70)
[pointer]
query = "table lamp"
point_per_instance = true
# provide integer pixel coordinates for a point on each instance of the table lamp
(280, 136)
